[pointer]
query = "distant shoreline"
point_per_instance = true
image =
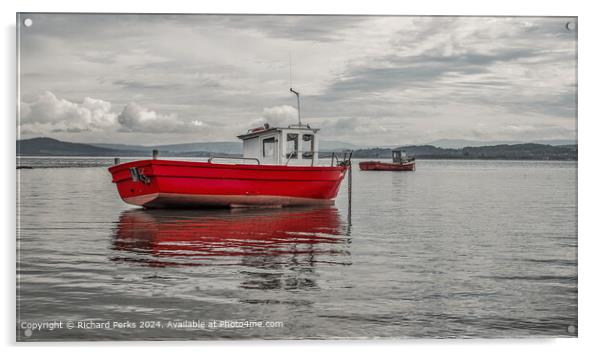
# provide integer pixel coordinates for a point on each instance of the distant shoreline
(322, 157)
(48, 147)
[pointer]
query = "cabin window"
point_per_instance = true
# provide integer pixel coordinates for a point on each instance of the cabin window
(307, 146)
(292, 145)
(269, 145)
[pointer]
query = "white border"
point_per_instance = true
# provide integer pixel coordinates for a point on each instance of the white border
(589, 169)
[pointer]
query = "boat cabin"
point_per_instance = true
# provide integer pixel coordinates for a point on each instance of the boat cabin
(293, 145)
(400, 156)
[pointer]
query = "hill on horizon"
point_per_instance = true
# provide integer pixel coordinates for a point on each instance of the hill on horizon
(43, 146)
(212, 147)
(526, 151)
(463, 143)
(49, 146)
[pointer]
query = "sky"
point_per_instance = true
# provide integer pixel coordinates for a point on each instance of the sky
(366, 80)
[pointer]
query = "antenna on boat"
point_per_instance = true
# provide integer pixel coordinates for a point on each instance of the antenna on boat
(290, 69)
(290, 61)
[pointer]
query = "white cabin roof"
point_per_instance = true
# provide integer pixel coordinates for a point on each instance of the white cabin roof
(266, 129)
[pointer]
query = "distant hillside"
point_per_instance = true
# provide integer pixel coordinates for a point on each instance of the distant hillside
(337, 146)
(528, 151)
(52, 147)
(211, 147)
(461, 143)
(48, 146)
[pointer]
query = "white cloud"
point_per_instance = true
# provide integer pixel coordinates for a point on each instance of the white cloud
(48, 113)
(278, 116)
(407, 79)
(135, 118)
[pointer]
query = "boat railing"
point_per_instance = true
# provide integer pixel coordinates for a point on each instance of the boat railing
(304, 154)
(334, 156)
(344, 160)
(233, 158)
(295, 153)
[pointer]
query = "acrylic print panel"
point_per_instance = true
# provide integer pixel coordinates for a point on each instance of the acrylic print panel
(167, 190)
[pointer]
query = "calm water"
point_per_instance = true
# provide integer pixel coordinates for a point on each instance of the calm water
(454, 249)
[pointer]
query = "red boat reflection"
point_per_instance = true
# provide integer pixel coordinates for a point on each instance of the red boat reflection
(209, 237)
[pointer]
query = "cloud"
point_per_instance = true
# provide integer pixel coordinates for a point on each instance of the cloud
(135, 118)
(391, 72)
(278, 116)
(374, 79)
(318, 28)
(48, 113)
(138, 85)
(351, 125)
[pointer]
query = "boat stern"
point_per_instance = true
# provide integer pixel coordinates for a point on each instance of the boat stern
(134, 182)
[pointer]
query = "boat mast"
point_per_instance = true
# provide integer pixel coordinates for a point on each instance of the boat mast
(290, 61)
(298, 106)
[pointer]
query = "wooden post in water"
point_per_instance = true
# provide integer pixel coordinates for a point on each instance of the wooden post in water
(116, 161)
(155, 153)
(349, 184)
(349, 181)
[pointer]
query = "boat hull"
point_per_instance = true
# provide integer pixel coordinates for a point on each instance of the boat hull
(377, 165)
(179, 184)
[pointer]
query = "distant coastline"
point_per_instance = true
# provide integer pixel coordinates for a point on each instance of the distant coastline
(527, 151)
(524, 151)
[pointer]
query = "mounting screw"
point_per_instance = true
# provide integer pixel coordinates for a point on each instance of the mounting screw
(571, 329)
(570, 26)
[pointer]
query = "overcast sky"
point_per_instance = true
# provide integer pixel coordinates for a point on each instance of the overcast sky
(154, 79)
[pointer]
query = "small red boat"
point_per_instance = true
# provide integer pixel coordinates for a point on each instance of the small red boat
(280, 171)
(169, 183)
(401, 162)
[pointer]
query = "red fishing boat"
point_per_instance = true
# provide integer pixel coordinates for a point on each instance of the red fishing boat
(278, 169)
(160, 183)
(401, 162)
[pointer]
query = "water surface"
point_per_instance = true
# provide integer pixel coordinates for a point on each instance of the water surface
(454, 249)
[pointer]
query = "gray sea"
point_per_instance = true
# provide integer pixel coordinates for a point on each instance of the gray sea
(455, 249)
